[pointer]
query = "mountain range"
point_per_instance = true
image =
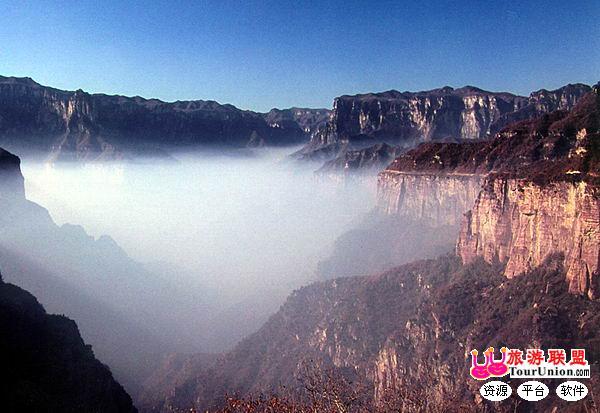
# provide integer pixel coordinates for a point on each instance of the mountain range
(79, 126)
(499, 195)
(67, 125)
(406, 119)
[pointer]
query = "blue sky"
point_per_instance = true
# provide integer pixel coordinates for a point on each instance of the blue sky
(262, 54)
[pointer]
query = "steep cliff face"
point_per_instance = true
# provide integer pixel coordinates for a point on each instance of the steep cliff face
(540, 195)
(436, 199)
(465, 113)
(407, 119)
(11, 180)
(549, 205)
(521, 223)
(421, 200)
(46, 365)
(81, 126)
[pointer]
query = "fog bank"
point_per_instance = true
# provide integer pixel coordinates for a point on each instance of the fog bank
(239, 232)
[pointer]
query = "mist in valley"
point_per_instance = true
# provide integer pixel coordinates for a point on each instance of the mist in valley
(220, 240)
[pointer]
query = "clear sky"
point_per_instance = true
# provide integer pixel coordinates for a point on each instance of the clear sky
(262, 54)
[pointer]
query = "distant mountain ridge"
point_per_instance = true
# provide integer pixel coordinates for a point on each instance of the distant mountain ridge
(407, 119)
(75, 125)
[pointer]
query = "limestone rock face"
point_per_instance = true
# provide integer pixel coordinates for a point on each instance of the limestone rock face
(464, 113)
(437, 200)
(522, 224)
(539, 195)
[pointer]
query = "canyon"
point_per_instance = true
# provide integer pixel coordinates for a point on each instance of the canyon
(524, 207)
(494, 239)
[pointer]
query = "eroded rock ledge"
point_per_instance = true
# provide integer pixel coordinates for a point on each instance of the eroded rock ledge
(540, 194)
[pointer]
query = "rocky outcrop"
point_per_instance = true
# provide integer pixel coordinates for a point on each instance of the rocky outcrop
(46, 366)
(406, 119)
(304, 122)
(521, 223)
(540, 195)
(544, 101)
(82, 126)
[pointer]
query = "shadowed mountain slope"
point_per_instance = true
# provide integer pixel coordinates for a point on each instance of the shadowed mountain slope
(46, 366)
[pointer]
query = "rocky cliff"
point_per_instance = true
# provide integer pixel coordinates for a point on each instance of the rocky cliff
(407, 119)
(82, 126)
(305, 122)
(545, 205)
(543, 101)
(435, 199)
(424, 193)
(11, 180)
(539, 196)
(46, 366)
(421, 199)
(521, 223)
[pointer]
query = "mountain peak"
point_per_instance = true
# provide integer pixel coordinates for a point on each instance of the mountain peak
(19, 80)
